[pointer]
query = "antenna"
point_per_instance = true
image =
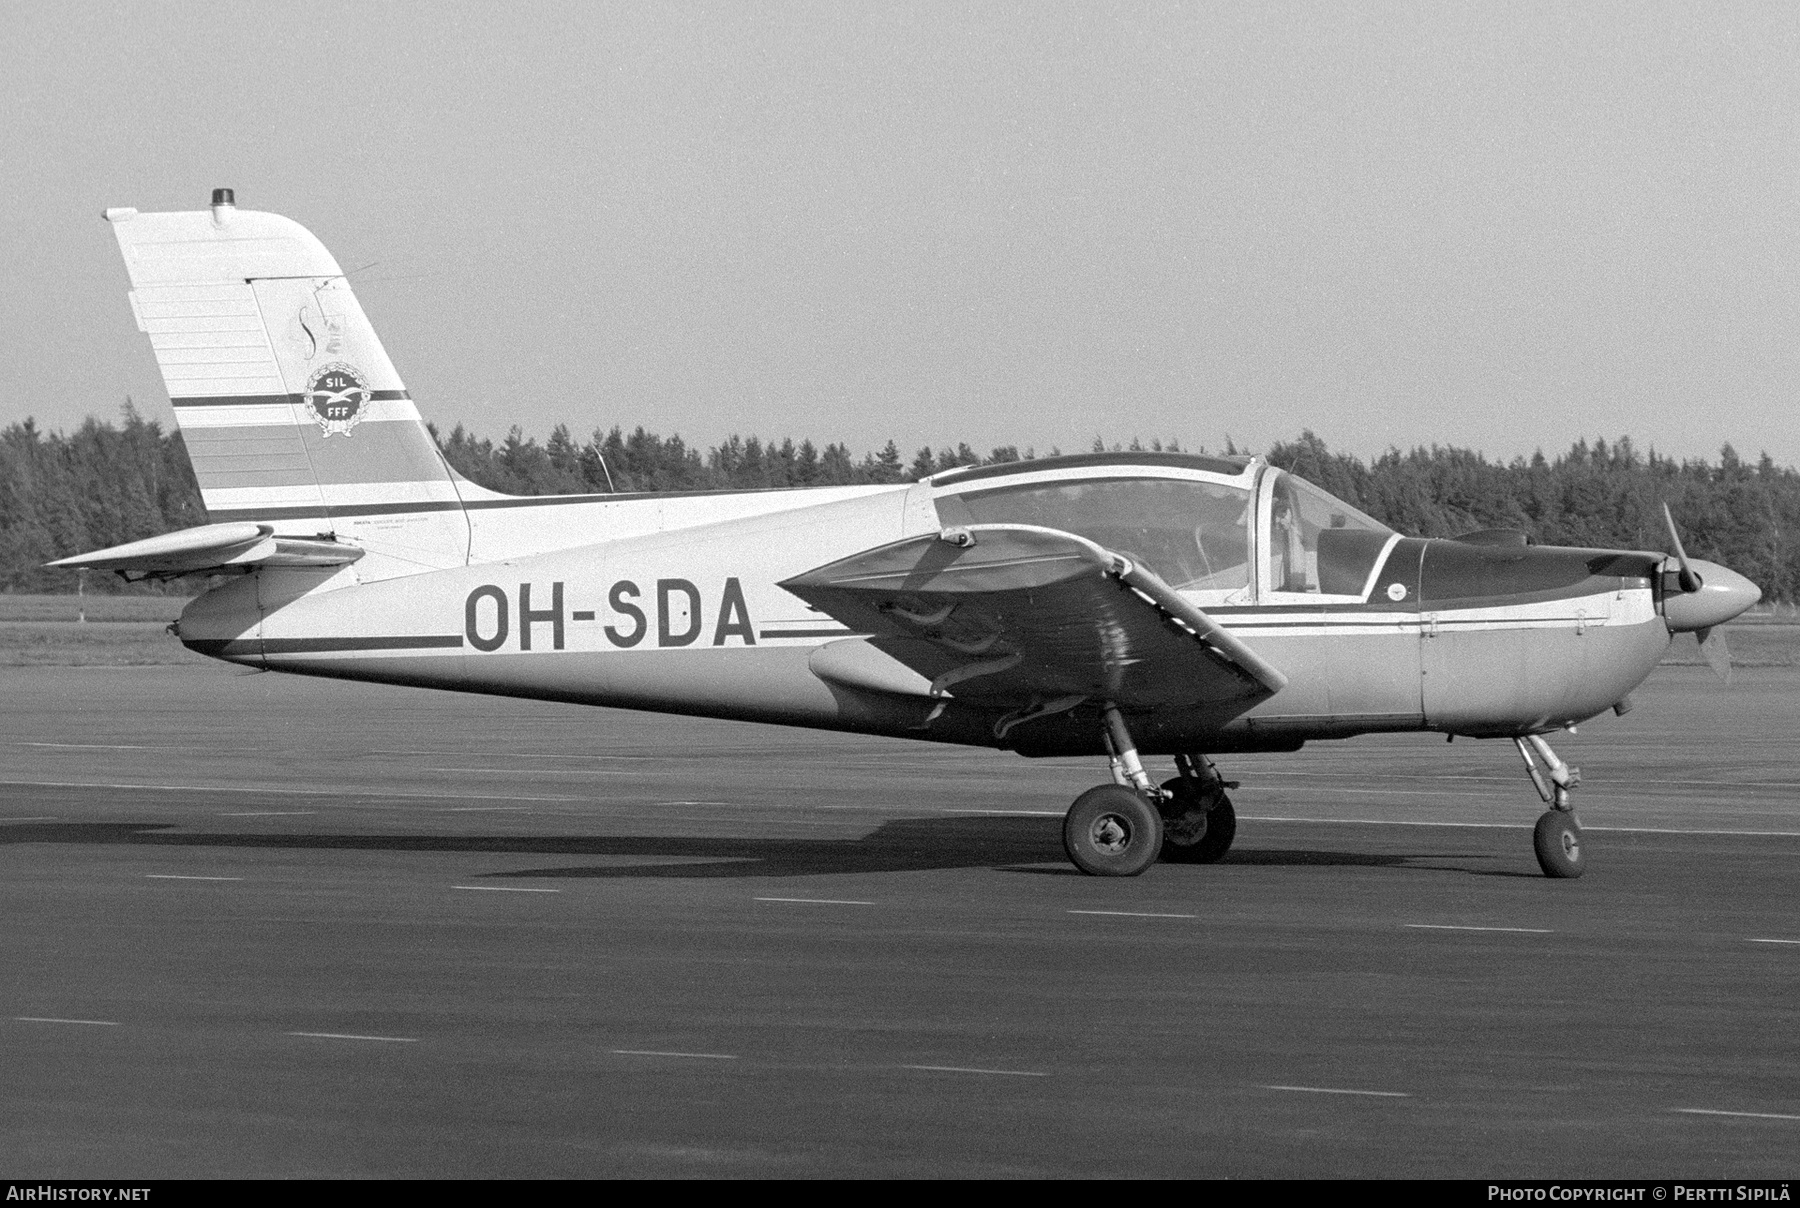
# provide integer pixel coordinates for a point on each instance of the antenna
(595, 446)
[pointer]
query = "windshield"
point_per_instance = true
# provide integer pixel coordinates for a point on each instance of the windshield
(1193, 535)
(1319, 544)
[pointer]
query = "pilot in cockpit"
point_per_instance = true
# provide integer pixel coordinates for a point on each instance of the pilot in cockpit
(1287, 558)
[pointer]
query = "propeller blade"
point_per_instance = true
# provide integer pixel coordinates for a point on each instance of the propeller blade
(1716, 652)
(1689, 580)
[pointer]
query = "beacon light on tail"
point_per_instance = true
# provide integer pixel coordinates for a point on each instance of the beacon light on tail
(1116, 605)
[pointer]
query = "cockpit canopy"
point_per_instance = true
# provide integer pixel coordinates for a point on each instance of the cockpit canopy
(1318, 544)
(1224, 532)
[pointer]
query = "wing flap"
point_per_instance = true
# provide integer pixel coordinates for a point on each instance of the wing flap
(1008, 614)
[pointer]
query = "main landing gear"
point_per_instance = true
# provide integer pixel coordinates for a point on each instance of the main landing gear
(1120, 829)
(1557, 838)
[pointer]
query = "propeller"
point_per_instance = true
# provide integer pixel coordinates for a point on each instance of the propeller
(1710, 637)
(1689, 581)
(1716, 652)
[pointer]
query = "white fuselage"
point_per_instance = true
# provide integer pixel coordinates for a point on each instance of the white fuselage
(678, 608)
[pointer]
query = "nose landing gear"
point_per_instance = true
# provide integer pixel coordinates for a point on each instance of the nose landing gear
(1557, 837)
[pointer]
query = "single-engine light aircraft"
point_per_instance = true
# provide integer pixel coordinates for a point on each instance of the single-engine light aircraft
(1108, 604)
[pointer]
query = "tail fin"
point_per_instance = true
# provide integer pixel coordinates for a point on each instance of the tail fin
(292, 414)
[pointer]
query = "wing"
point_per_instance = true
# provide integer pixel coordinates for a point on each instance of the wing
(1005, 614)
(212, 547)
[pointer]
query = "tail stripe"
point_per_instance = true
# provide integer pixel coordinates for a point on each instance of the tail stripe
(292, 414)
(265, 512)
(399, 496)
(266, 400)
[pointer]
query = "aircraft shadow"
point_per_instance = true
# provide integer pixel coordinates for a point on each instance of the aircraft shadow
(1249, 857)
(1016, 845)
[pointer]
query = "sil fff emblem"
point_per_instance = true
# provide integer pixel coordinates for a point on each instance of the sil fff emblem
(338, 398)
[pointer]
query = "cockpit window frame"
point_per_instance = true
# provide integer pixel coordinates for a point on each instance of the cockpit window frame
(1255, 476)
(1266, 595)
(1089, 470)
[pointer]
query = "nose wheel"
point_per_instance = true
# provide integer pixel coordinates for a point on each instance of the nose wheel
(1557, 840)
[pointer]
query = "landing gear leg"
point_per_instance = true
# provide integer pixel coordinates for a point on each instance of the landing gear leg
(1114, 830)
(1198, 820)
(1557, 838)
(1127, 768)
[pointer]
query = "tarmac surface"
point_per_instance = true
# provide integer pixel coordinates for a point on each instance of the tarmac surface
(259, 925)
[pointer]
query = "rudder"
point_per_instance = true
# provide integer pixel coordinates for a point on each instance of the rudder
(291, 411)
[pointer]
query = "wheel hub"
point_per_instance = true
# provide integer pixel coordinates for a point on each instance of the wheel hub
(1185, 830)
(1110, 834)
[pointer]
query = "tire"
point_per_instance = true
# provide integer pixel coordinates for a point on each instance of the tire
(1191, 840)
(1110, 831)
(1557, 840)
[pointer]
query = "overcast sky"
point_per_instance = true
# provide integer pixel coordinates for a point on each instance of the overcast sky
(1496, 226)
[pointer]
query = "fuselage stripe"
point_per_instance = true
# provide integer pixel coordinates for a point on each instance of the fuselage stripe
(242, 646)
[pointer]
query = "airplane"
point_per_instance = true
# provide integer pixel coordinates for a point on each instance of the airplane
(1108, 604)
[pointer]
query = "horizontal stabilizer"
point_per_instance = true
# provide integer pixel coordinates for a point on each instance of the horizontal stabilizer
(1010, 614)
(212, 547)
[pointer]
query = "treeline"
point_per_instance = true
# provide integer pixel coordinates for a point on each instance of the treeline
(1611, 496)
(644, 461)
(100, 485)
(104, 484)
